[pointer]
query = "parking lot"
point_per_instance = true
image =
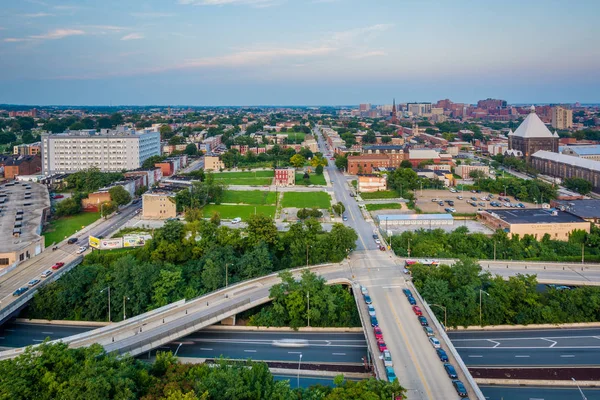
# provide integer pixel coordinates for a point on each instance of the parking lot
(426, 204)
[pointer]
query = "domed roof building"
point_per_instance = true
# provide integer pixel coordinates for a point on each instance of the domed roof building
(532, 135)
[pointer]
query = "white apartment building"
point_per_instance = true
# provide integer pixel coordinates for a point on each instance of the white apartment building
(107, 150)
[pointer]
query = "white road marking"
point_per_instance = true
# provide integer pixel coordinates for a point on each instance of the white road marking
(391, 287)
(9, 330)
(567, 355)
(48, 333)
(205, 349)
(339, 354)
(38, 340)
(521, 356)
(294, 352)
(553, 342)
(476, 356)
(496, 344)
(250, 351)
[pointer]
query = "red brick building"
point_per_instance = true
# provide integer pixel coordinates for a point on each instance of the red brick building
(285, 177)
(366, 163)
(24, 165)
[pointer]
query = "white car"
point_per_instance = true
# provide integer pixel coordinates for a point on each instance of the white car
(46, 273)
(236, 220)
(371, 310)
(82, 249)
(387, 359)
(33, 282)
(452, 190)
(363, 290)
(377, 241)
(434, 342)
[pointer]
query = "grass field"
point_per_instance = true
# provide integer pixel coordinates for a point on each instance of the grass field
(242, 211)
(257, 178)
(382, 194)
(62, 228)
(314, 180)
(306, 199)
(297, 136)
(257, 197)
(384, 206)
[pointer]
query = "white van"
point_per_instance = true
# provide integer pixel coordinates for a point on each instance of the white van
(236, 220)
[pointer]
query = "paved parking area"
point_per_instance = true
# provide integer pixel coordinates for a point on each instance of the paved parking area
(425, 203)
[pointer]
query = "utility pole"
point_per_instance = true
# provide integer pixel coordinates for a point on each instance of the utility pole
(226, 274)
(308, 313)
(124, 315)
(408, 251)
(582, 253)
(102, 291)
(494, 251)
(480, 314)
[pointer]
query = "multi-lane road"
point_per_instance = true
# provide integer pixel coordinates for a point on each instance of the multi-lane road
(548, 347)
(66, 253)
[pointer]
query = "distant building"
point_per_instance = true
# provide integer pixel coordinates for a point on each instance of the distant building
(27, 149)
(588, 152)
(535, 222)
(419, 109)
(532, 135)
(417, 156)
(564, 166)
(587, 209)
(213, 163)
(490, 104)
(285, 177)
(159, 205)
(562, 118)
(422, 221)
(107, 150)
(371, 183)
(464, 170)
(22, 165)
(367, 163)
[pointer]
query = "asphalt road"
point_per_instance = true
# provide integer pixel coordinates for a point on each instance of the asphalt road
(20, 335)
(305, 381)
(549, 347)
(33, 267)
(537, 393)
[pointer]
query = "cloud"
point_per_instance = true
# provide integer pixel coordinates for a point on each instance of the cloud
(37, 15)
(65, 7)
(133, 36)
(58, 34)
(365, 33)
(16, 40)
(252, 3)
(375, 53)
(151, 14)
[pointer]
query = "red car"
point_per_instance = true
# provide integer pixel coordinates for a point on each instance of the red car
(417, 310)
(382, 247)
(58, 265)
(378, 333)
(381, 345)
(58, 196)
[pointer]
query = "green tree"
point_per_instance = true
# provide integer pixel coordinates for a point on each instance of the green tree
(150, 161)
(297, 161)
(405, 164)
(166, 132)
(578, 185)
(261, 228)
(319, 170)
(165, 288)
(191, 149)
(119, 195)
(66, 207)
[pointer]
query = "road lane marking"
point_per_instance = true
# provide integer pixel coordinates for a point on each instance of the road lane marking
(38, 340)
(554, 342)
(392, 287)
(567, 355)
(521, 356)
(294, 352)
(48, 333)
(476, 356)
(339, 354)
(205, 349)
(250, 351)
(9, 330)
(496, 344)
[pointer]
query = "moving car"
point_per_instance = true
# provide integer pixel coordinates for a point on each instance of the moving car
(387, 359)
(345, 217)
(82, 249)
(442, 355)
(378, 333)
(72, 240)
(33, 282)
(450, 371)
(57, 265)
(423, 320)
(290, 343)
(391, 375)
(371, 310)
(46, 273)
(460, 388)
(368, 299)
(434, 342)
(428, 331)
(417, 310)
(20, 291)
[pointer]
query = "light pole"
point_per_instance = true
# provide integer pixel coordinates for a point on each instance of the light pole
(298, 377)
(480, 293)
(177, 349)
(124, 315)
(582, 253)
(307, 246)
(494, 251)
(408, 251)
(101, 209)
(102, 291)
(308, 313)
(445, 313)
(227, 274)
(580, 391)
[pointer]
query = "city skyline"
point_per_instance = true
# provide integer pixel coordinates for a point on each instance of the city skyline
(276, 52)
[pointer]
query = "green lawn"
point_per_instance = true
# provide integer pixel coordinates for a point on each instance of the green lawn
(383, 206)
(242, 211)
(62, 228)
(257, 178)
(382, 194)
(297, 136)
(306, 199)
(314, 180)
(258, 197)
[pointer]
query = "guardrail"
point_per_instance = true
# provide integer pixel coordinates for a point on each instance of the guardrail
(446, 339)
(6, 312)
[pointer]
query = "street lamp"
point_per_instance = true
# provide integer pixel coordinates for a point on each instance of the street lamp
(408, 251)
(124, 315)
(580, 391)
(298, 377)
(227, 274)
(480, 293)
(177, 349)
(445, 313)
(102, 291)
(308, 313)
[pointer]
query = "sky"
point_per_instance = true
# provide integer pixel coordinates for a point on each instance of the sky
(297, 52)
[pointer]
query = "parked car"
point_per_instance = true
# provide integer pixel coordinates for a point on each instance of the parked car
(434, 342)
(58, 265)
(412, 301)
(58, 196)
(407, 292)
(452, 210)
(451, 203)
(374, 321)
(236, 220)
(377, 332)
(450, 371)
(381, 345)
(474, 198)
(375, 237)
(428, 331)
(377, 241)
(423, 321)
(33, 282)
(460, 388)
(387, 359)
(364, 290)
(382, 247)
(344, 217)
(391, 375)
(442, 355)
(371, 310)
(20, 291)
(417, 310)
(72, 240)
(459, 197)
(368, 299)
(46, 273)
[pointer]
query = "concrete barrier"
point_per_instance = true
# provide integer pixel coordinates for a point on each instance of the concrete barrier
(533, 382)
(61, 322)
(579, 325)
(285, 329)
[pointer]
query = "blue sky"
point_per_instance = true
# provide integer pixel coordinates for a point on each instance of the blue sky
(297, 52)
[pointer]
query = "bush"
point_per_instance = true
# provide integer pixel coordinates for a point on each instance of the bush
(304, 213)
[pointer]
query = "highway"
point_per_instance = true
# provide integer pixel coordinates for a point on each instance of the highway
(66, 253)
(538, 393)
(548, 347)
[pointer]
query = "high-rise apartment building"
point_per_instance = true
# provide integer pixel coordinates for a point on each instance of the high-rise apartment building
(364, 107)
(107, 150)
(562, 118)
(491, 104)
(419, 108)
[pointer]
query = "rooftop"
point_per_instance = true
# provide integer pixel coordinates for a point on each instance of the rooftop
(12, 200)
(532, 127)
(384, 147)
(565, 159)
(584, 150)
(422, 154)
(589, 208)
(534, 216)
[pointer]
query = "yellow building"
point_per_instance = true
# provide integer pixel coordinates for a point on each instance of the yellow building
(371, 183)
(562, 118)
(213, 163)
(534, 221)
(159, 205)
